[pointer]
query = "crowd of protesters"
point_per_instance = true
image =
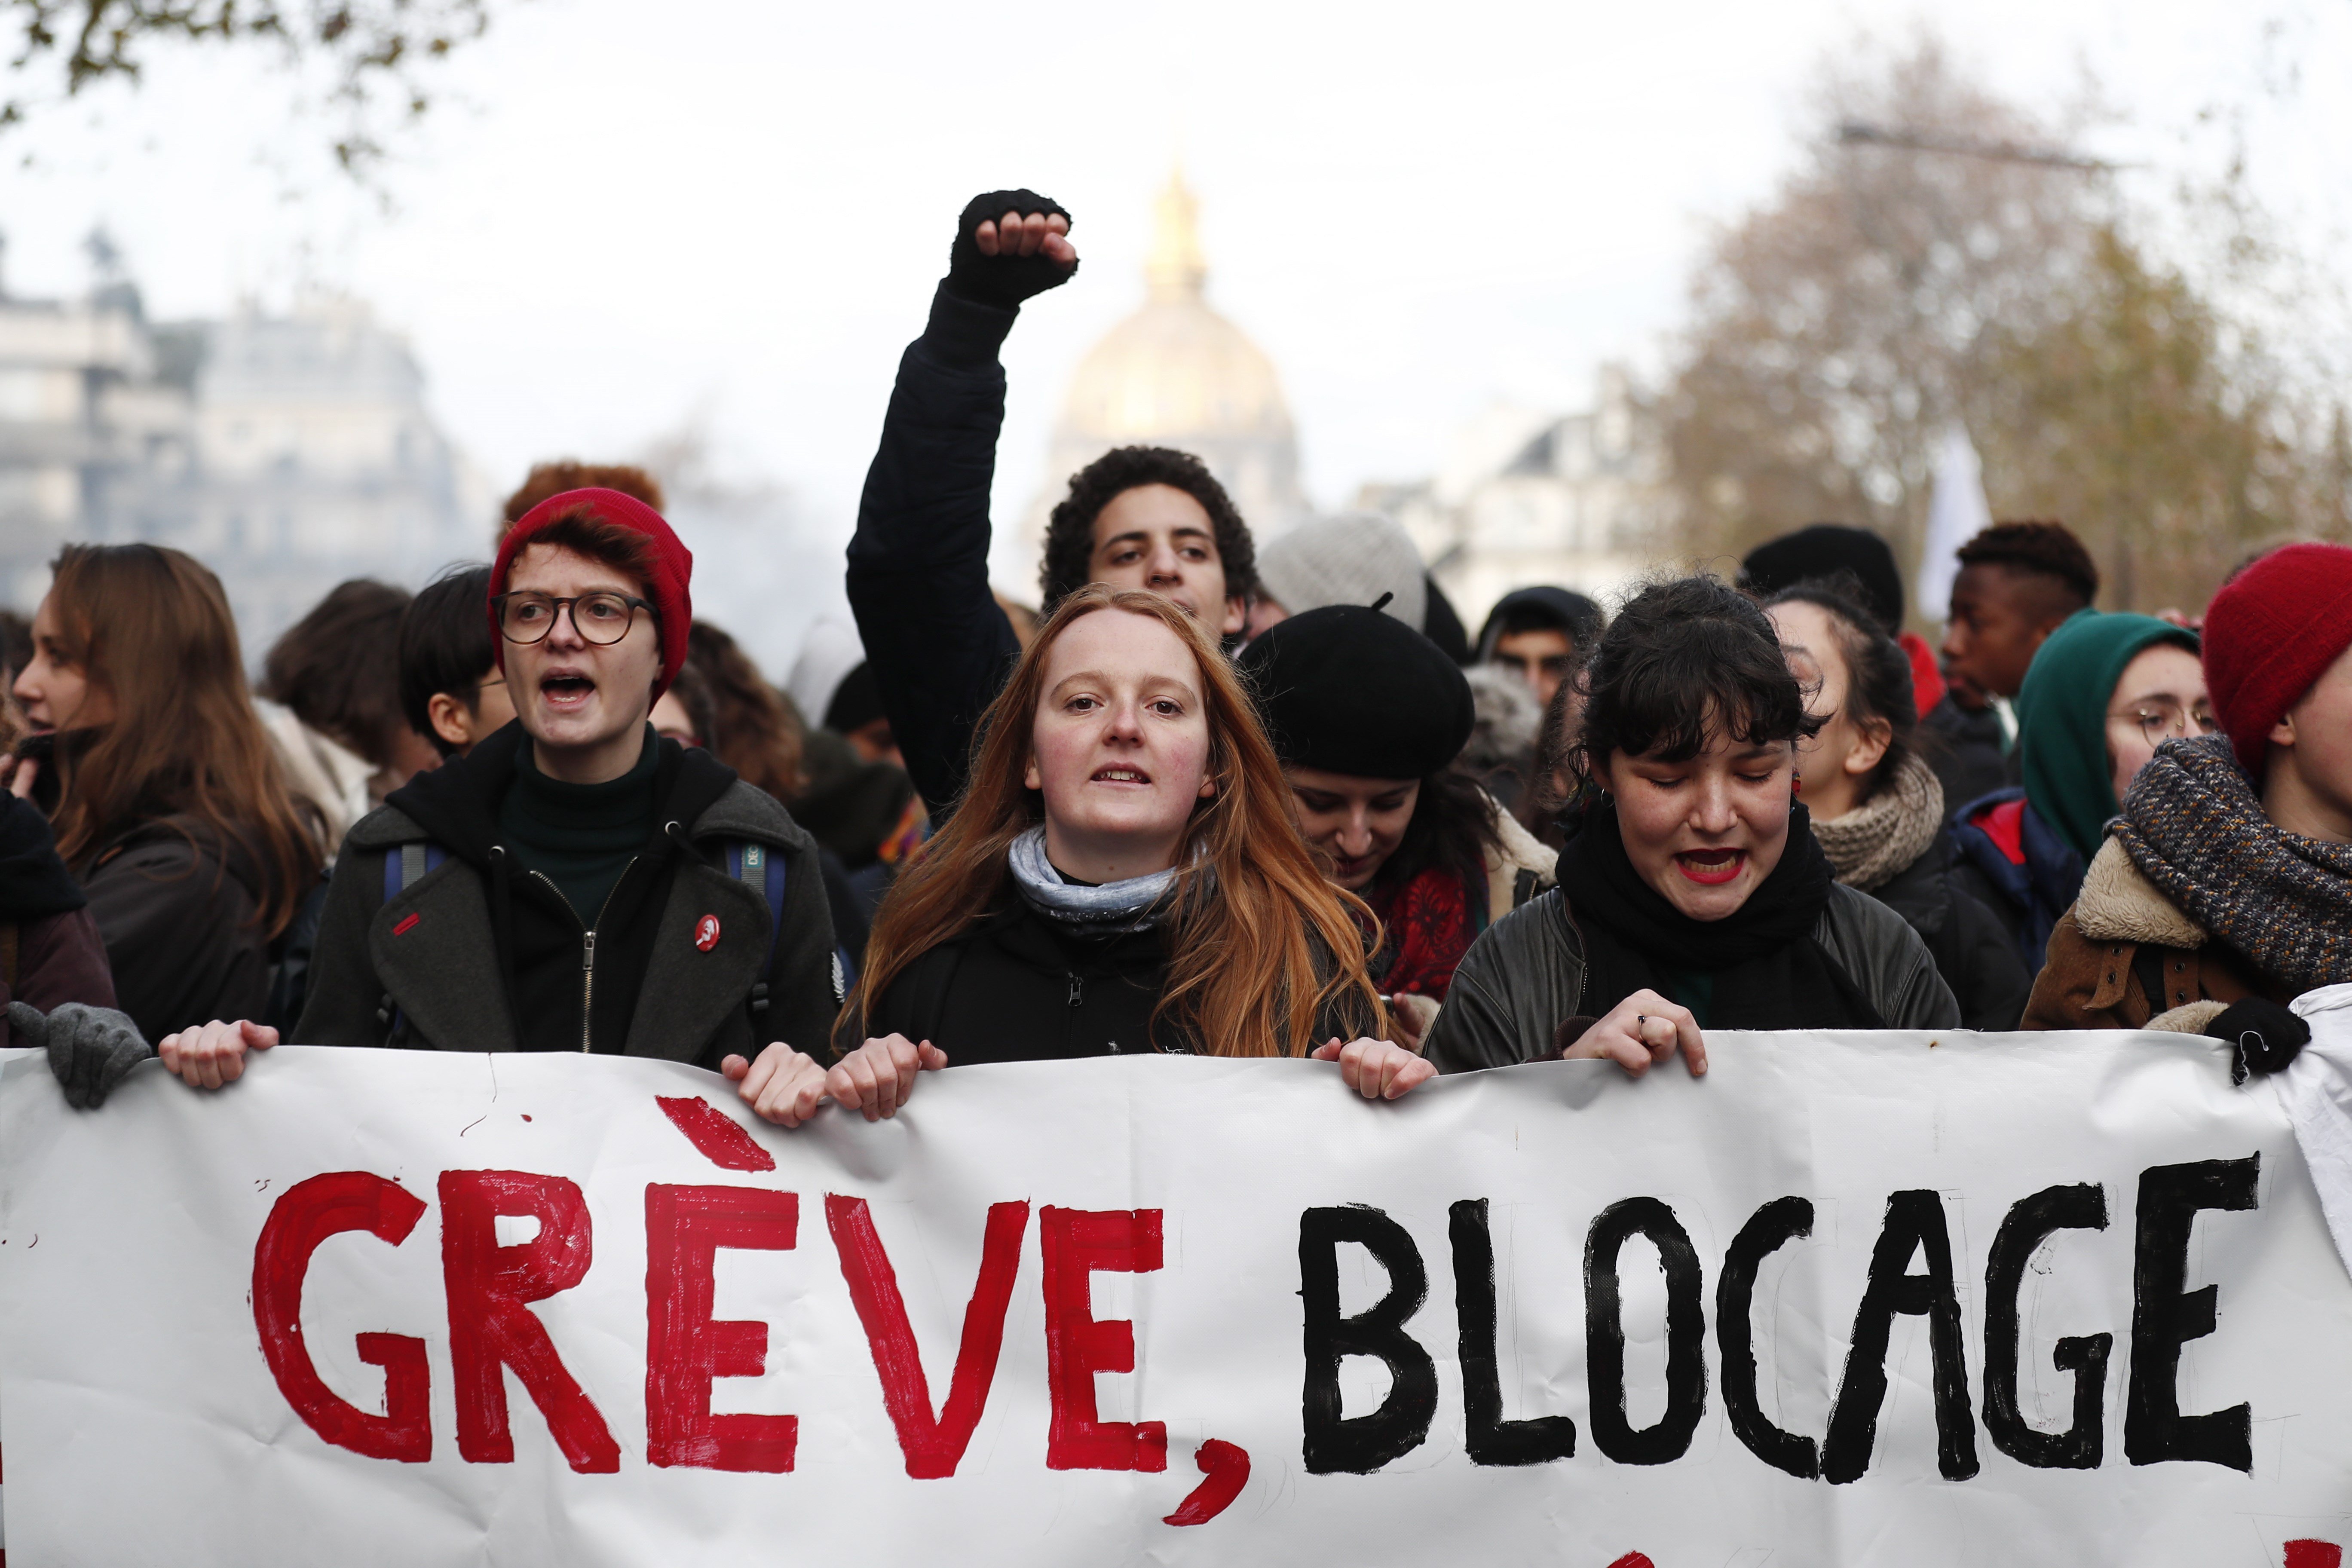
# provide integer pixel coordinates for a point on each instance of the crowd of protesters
(1215, 794)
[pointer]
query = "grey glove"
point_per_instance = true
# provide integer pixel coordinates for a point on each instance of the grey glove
(90, 1048)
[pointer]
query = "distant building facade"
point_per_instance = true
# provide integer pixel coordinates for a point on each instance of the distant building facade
(1577, 500)
(1177, 373)
(287, 453)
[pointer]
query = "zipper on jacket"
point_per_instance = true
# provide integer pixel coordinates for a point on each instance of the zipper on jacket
(587, 983)
(1077, 990)
(588, 952)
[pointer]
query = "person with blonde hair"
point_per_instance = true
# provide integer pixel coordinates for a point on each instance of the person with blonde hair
(1121, 877)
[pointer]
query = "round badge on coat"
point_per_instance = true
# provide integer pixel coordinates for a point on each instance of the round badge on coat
(706, 932)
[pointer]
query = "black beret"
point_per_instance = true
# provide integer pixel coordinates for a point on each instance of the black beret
(1823, 551)
(1346, 689)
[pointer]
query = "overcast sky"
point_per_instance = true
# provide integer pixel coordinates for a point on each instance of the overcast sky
(625, 216)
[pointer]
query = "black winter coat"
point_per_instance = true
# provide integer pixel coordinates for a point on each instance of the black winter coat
(178, 909)
(1963, 746)
(1970, 943)
(1016, 987)
(940, 647)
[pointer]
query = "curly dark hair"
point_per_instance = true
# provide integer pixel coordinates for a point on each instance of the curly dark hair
(1068, 566)
(2048, 548)
(1684, 657)
(1877, 670)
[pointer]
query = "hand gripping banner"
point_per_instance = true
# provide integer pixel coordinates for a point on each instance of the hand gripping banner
(1850, 1299)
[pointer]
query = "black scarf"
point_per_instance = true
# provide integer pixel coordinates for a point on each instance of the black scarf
(1757, 968)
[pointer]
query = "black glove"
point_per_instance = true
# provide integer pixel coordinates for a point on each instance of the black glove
(2263, 1036)
(90, 1048)
(1002, 280)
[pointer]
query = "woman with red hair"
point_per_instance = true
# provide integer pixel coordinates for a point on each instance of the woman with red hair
(1121, 876)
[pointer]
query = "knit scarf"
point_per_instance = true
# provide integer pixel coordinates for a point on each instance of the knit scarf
(1109, 909)
(1757, 968)
(2194, 826)
(1871, 843)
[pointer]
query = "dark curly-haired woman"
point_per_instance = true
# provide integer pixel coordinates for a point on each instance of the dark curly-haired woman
(1696, 897)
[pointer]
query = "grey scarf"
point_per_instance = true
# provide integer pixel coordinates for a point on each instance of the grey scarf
(1871, 843)
(1135, 904)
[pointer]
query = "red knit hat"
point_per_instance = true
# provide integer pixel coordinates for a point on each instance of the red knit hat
(2269, 633)
(668, 575)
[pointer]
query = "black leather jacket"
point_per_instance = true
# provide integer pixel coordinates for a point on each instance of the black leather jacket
(1522, 979)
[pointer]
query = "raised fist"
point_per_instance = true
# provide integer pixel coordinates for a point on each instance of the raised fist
(1008, 246)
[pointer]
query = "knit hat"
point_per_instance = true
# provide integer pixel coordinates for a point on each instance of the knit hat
(668, 571)
(1350, 559)
(2061, 719)
(1822, 551)
(1348, 689)
(2272, 630)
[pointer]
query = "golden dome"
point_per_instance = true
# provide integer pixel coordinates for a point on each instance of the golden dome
(1175, 373)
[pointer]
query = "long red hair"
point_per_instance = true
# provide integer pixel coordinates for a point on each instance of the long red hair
(151, 628)
(1259, 944)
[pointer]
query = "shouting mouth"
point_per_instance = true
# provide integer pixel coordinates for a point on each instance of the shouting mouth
(1120, 775)
(566, 691)
(1711, 867)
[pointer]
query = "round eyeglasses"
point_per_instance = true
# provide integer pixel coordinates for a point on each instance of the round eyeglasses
(600, 619)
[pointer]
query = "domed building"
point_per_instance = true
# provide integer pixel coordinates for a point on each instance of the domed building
(1176, 373)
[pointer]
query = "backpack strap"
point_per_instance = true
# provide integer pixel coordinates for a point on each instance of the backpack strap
(761, 869)
(417, 858)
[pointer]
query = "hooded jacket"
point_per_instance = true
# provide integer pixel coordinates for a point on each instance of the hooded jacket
(2014, 863)
(479, 953)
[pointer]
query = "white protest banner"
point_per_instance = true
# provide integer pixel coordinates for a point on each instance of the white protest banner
(1850, 1299)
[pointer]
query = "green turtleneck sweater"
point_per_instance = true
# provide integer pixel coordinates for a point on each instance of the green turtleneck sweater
(580, 836)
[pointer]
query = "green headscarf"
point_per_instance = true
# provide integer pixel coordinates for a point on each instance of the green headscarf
(2061, 719)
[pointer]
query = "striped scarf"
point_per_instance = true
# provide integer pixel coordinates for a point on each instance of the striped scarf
(2193, 826)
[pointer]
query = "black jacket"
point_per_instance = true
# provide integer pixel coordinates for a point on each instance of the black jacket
(178, 909)
(938, 645)
(478, 954)
(1017, 987)
(1524, 978)
(1963, 746)
(1971, 944)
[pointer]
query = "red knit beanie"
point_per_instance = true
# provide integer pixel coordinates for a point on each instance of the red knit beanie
(670, 573)
(2269, 634)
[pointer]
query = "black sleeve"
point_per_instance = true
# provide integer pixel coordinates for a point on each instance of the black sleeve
(938, 645)
(344, 993)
